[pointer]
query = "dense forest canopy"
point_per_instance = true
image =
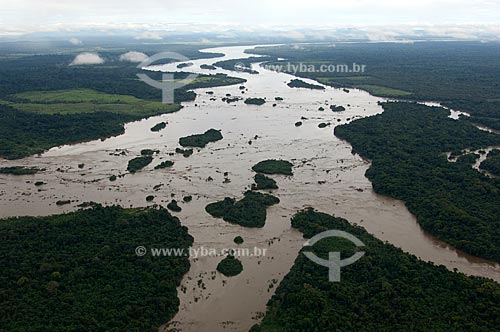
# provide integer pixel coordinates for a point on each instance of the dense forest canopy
(386, 290)
(407, 145)
(26, 133)
(79, 271)
(492, 163)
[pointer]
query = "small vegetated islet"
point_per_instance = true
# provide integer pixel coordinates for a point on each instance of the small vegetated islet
(148, 152)
(255, 101)
(159, 126)
(250, 211)
(185, 152)
(230, 266)
(201, 140)
(263, 182)
(165, 164)
(337, 108)
(273, 166)
(138, 163)
(174, 206)
(295, 83)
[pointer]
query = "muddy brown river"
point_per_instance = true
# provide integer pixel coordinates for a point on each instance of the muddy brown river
(326, 176)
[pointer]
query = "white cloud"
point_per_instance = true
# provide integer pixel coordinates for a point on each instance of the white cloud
(149, 35)
(75, 41)
(133, 56)
(87, 58)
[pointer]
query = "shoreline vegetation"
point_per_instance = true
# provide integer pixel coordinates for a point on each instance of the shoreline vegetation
(66, 270)
(20, 170)
(399, 292)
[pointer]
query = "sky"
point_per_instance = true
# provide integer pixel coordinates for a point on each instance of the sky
(49, 15)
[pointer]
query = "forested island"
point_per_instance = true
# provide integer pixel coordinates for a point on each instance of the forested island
(159, 126)
(230, 266)
(273, 166)
(139, 163)
(201, 140)
(250, 211)
(296, 83)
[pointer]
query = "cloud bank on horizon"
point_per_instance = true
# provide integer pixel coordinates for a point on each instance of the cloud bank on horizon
(155, 19)
(261, 12)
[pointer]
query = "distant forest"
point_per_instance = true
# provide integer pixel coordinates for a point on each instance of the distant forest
(30, 126)
(462, 75)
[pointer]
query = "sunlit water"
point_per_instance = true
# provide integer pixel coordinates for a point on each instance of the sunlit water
(327, 176)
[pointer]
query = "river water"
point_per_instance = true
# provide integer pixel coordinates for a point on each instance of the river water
(327, 176)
